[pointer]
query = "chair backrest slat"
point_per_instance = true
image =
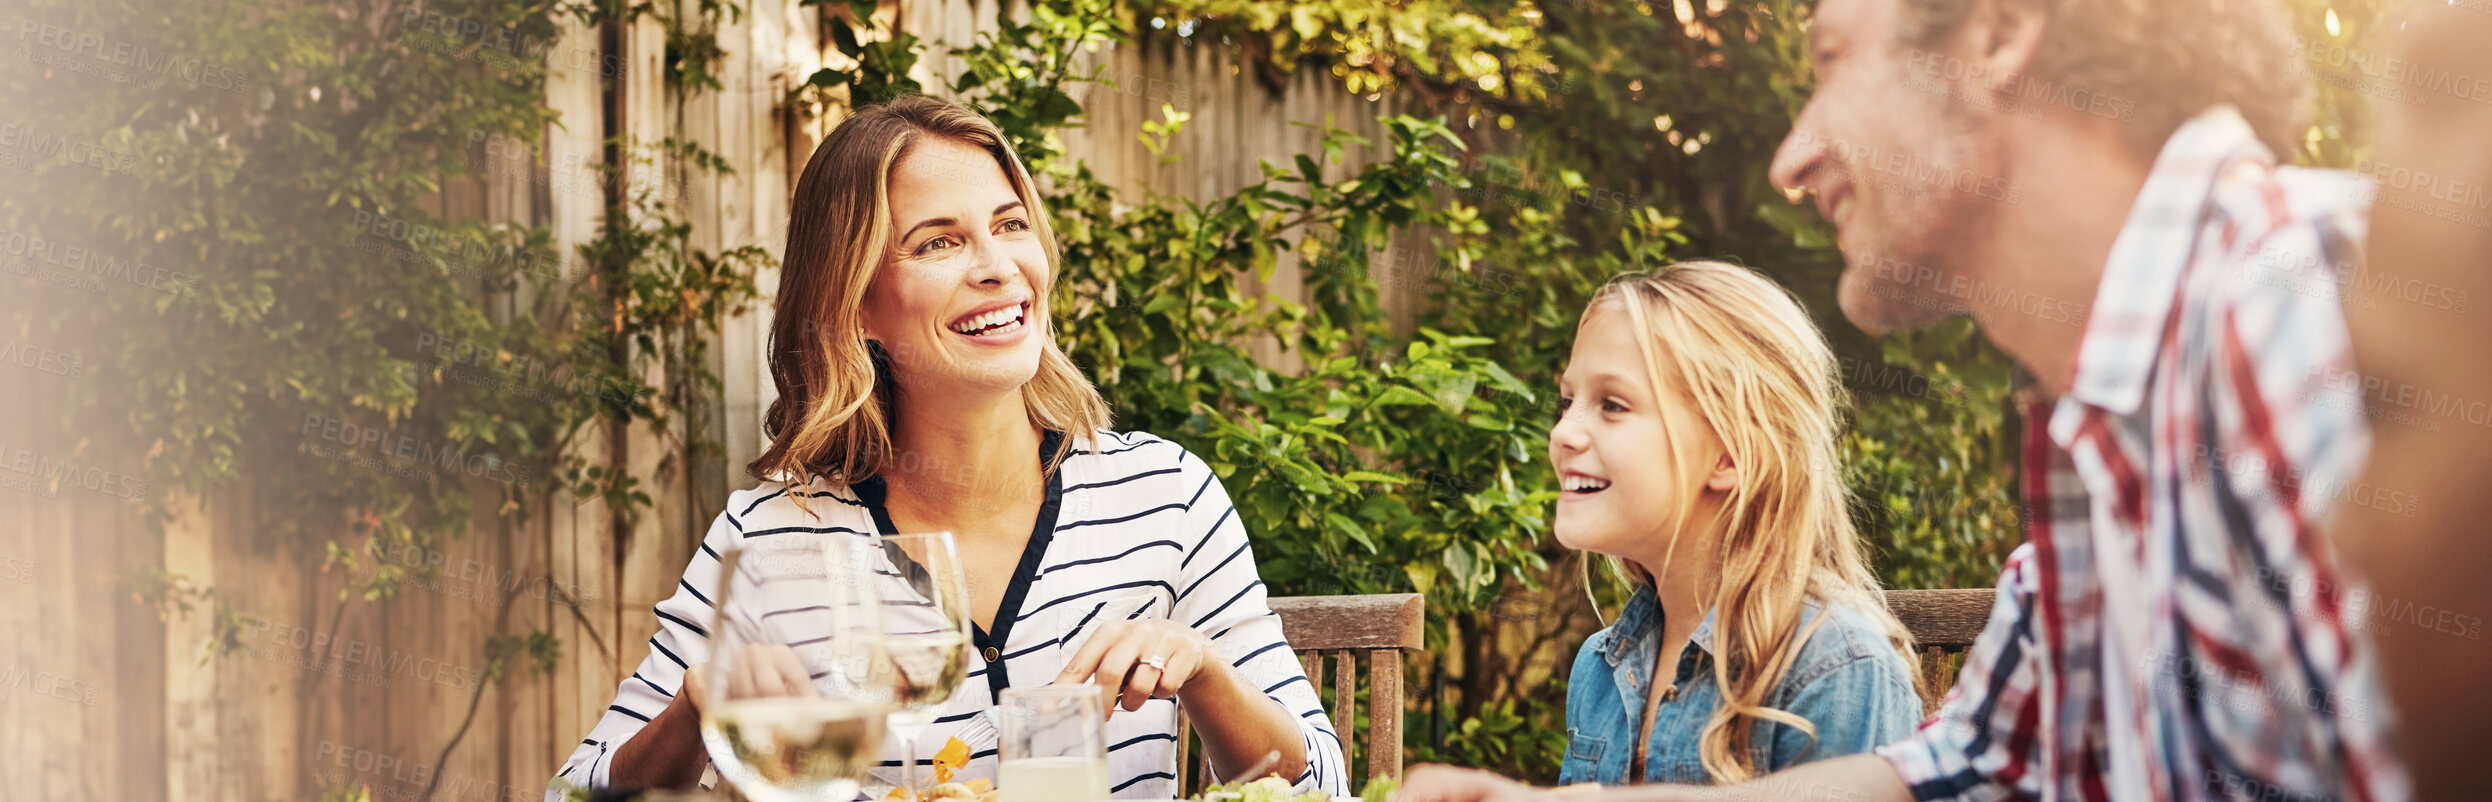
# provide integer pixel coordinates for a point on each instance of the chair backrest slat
(1344, 708)
(1382, 627)
(1384, 732)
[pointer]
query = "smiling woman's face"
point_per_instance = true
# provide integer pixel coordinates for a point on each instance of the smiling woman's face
(960, 296)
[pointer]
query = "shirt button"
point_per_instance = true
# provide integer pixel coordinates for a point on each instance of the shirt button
(992, 655)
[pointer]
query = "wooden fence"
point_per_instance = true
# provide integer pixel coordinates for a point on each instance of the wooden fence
(100, 699)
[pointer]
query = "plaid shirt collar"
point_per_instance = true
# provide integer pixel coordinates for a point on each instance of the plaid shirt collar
(2134, 303)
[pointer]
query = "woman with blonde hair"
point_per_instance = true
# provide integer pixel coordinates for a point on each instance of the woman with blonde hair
(1695, 445)
(921, 389)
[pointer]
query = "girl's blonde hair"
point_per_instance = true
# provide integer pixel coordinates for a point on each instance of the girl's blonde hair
(1762, 377)
(834, 414)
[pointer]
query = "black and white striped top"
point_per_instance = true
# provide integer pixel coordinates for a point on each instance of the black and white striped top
(1132, 525)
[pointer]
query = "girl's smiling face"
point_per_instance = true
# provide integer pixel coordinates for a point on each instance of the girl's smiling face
(1617, 447)
(961, 297)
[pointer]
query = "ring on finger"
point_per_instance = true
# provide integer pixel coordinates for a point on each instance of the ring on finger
(1156, 662)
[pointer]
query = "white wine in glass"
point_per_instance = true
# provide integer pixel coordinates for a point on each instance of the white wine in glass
(1053, 741)
(926, 668)
(788, 714)
(812, 749)
(1053, 779)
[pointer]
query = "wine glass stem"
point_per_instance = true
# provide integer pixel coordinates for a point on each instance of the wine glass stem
(907, 725)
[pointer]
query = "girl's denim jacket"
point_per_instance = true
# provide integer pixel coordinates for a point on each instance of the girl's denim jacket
(1848, 681)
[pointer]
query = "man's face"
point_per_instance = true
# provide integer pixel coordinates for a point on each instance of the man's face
(1886, 147)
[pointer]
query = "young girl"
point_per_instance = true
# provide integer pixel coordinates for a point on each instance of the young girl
(1695, 445)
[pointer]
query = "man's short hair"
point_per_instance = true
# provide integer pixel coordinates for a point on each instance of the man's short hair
(2157, 62)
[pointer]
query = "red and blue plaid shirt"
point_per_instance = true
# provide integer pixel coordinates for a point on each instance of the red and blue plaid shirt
(2174, 626)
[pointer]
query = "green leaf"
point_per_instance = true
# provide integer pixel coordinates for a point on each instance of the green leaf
(1398, 395)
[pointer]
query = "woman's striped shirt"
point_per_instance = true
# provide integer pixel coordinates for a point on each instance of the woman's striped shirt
(1132, 525)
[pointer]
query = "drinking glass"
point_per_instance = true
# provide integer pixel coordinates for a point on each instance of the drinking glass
(1054, 744)
(925, 634)
(787, 713)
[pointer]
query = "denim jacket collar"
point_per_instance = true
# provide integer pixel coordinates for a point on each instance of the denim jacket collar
(1632, 648)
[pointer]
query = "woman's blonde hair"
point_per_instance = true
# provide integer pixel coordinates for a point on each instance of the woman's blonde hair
(1761, 376)
(834, 413)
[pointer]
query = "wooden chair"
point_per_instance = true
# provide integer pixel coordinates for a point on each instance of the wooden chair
(1381, 626)
(1942, 623)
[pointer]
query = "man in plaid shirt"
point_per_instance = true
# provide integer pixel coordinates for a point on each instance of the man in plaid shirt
(2094, 182)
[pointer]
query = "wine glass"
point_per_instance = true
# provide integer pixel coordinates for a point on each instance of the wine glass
(925, 634)
(787, 711)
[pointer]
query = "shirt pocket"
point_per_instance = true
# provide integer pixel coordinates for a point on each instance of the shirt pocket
(1583, 757)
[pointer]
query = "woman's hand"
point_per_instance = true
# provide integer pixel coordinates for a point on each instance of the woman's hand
(1151, 658)
(758, 670)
